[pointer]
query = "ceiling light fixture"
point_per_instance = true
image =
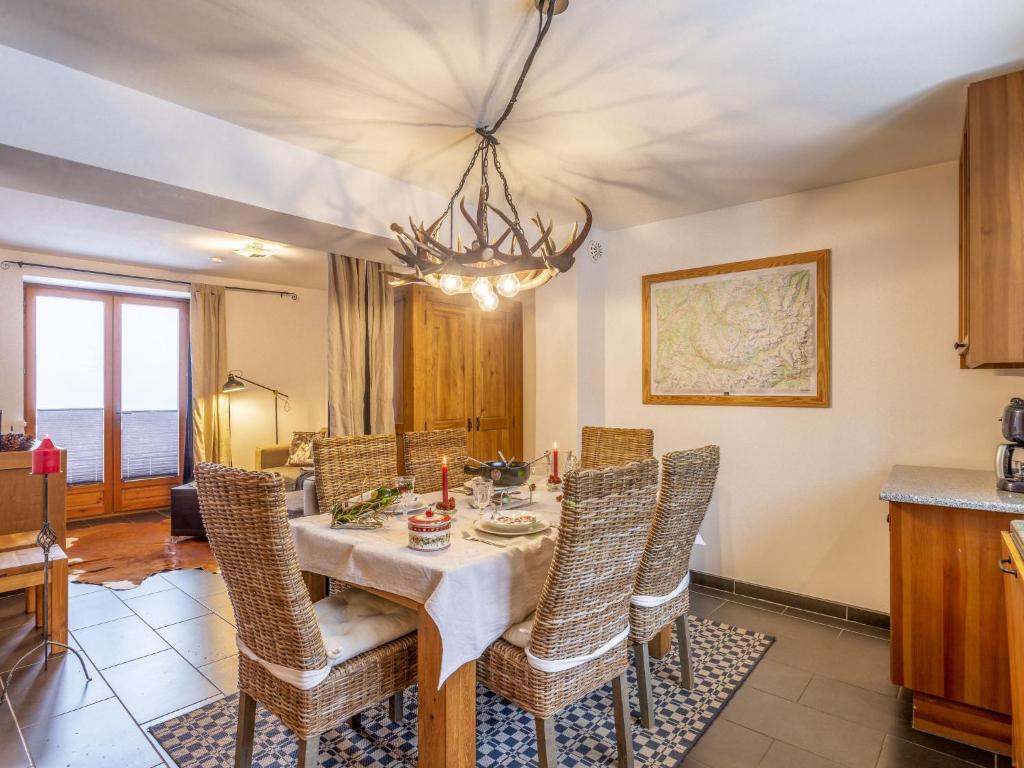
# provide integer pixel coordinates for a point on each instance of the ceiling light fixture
(217, 259)
(257, 250)
(455, 268)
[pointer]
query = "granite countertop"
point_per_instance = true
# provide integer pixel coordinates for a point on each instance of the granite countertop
(963, 488)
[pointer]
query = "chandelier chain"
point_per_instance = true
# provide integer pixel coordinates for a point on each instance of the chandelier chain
(504, 184)
(543, 25)
(488, 139)
(458, 189)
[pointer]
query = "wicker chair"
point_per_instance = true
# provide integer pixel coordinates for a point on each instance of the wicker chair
(423, 451)
(611, 446)
(687, 481)
(247, 525)
(583, 607)
(346, 466)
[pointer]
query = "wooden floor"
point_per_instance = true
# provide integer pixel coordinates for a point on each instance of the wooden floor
(821, 698)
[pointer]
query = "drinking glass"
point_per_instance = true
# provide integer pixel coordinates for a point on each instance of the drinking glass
(572, 462)
(406, 485)
(482, 490)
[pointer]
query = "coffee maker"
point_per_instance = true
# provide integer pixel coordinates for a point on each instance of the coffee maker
(1010, 470)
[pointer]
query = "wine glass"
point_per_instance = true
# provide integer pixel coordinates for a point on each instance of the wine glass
(572, 462)
(482, 492)
(406, 485)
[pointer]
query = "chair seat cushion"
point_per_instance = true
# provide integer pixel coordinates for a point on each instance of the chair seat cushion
(354, 622)
(519, 634)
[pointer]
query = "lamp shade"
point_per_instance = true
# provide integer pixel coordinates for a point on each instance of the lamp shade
(46, 458)
(233, 384)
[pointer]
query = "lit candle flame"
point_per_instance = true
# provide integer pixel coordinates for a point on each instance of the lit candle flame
(444, 461)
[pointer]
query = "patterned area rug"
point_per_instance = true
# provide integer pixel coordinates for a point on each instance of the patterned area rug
(724, 657)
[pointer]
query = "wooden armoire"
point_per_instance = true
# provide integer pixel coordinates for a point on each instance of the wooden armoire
(458, 366)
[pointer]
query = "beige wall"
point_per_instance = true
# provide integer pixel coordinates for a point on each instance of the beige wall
(797, 501)
(275, 341)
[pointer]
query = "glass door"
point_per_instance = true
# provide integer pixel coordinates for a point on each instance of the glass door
(150, 348)
(67, 388)
(105, 378)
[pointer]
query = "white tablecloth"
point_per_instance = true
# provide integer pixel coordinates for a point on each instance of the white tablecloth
(472, 591)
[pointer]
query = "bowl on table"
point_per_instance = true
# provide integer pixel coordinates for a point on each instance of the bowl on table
(510, 523)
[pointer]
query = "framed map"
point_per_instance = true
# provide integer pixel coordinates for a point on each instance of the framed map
(746, 333)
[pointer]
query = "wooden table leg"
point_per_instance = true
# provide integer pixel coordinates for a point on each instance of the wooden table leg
(30, 599)
(59, 603)
(316, 584)
(447, 724)
(662, 643)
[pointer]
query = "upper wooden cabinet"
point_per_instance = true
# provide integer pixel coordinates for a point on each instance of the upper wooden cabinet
(457, 366)
(992, 225)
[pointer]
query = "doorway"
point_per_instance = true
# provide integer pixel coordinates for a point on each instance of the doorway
(105, 378)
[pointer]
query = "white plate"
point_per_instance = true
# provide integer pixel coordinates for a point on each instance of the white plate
(537, 527)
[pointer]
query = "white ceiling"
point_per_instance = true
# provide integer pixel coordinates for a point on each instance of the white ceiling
(646, 109)
(42, 224)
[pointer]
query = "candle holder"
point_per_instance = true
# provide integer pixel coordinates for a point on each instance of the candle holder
(45, 461)
(446, 506)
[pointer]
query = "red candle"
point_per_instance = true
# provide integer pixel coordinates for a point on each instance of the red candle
(444, 480)
(554, 453)
(46, 458)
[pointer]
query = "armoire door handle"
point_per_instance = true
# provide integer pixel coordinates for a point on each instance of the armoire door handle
(469, 424)
(477, 423)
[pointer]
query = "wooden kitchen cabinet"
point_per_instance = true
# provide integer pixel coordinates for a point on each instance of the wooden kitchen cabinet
(1012, 567)
(948, 637)
(991, 328)
(460, 367)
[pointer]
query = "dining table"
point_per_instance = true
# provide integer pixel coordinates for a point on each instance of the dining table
(465, 596)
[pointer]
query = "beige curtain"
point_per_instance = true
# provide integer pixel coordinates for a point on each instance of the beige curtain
(381, 321)
(360, 344)
(211, 429)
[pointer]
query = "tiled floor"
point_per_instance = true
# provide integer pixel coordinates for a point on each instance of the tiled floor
(821, 698)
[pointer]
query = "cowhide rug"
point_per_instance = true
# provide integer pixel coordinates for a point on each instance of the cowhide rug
(121, 553)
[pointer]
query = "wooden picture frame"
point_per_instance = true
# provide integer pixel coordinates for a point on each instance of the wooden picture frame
(819, 263)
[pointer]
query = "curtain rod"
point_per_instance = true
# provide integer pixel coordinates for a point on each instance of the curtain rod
(7, 265)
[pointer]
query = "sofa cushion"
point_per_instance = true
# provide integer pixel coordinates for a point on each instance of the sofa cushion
(310, 505)
(293, 476)
(300, 454)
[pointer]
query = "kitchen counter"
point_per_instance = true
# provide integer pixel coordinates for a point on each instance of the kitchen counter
(960, 488)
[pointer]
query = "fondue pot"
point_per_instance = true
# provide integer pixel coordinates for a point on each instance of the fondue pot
(503, 473)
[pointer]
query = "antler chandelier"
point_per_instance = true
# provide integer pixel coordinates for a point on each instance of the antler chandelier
(488, 265)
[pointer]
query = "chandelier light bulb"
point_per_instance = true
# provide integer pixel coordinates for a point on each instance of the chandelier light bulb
(508, 285)
(489, 303)
(451, 284)
(482, 287)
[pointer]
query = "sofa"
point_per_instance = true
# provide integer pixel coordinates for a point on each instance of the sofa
(274, 458)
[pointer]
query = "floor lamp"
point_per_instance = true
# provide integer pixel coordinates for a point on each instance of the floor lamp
(236, 383)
